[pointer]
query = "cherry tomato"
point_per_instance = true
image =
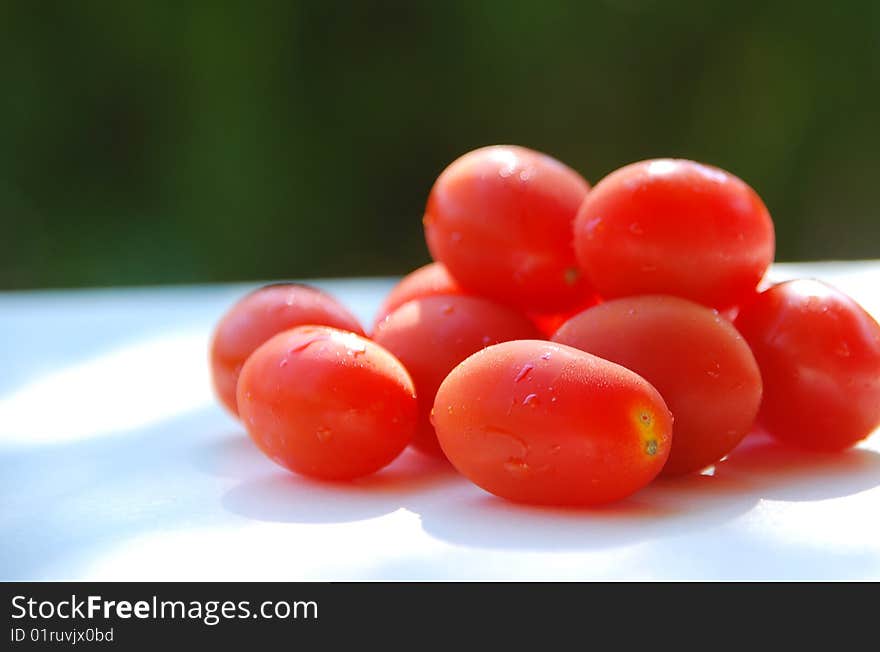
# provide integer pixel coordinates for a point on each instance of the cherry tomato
(500, 219)
(695, 358)
(327, 403)
(538, 422)
(259, 316)
(430, 280)
(432, 335)
(674, 227)
(819, 353)
(434, 280)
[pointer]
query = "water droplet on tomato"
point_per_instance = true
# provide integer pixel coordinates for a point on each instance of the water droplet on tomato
(516, 466)
(528, 173)
(355, 349)
(309, 341)
(593, 227)
(526, 368)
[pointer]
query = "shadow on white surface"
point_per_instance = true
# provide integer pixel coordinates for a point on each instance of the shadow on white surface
(668, 508)
(768, 511)
(778, 472)
(230, 455)
(71, 500)
(282, 497)
(453, 510)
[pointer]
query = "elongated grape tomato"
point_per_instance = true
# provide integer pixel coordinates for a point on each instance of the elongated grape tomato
(670, 226)
(538, 422)
(327, 403)
(432, 335)
(819, 353)
(500, 218)
(260, 315)
(695, 358)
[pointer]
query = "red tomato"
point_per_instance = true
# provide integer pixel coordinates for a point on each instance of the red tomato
(695, 358)
(731, 313)
(432, 335)
(427, 281)
(500, 219)
(819, 354)
(549, 323)
(327, 403)
(545, 423)
(259, 316)
(674, 227)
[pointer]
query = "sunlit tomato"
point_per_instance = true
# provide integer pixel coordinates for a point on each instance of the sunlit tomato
(674, 227)
(327, 403)
(259, 316)
(427, 281)
(695, 358)
(538, 422)
(819, 354)
(500, 218)
(430, 336)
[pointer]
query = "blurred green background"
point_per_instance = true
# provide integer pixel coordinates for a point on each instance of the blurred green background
(153, 142)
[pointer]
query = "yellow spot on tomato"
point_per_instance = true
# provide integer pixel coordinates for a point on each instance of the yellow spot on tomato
(644, 420)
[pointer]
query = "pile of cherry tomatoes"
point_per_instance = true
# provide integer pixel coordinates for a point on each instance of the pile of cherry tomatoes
(569, 343)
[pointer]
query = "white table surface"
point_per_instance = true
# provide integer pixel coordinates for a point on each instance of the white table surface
(116, 463)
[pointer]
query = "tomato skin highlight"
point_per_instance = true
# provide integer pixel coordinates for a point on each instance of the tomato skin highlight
(695, 358)
(819, 353)
(260, 315)
(543, 423)
(673, 226)
(430, 336)
(429, 280)
(500, 219)
(327, 403)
